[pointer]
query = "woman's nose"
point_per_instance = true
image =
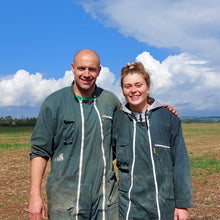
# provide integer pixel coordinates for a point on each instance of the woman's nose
(133, 89)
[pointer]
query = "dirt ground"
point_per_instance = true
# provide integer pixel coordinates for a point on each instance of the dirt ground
(15, 183)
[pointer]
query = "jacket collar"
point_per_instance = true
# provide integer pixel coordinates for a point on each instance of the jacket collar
(97, 92)
(140, 116)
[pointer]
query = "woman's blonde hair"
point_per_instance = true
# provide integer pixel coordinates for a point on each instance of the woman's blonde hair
(135, 67)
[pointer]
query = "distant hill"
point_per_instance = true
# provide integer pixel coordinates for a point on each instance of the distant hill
(200, 119)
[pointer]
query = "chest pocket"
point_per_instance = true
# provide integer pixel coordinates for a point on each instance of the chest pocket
(163, 158)
(69, 127)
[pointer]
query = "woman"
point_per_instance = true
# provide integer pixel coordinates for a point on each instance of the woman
(152, 160)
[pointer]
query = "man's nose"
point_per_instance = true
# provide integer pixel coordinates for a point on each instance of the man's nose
(86, 73)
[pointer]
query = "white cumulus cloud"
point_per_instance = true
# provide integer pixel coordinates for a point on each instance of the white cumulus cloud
(189, 80)
(183, 81)
(191, 26)
(25, 89)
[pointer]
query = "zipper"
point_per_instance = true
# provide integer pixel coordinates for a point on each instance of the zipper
(153, 165)
(104, 160)
(80, 161)
(132, 170)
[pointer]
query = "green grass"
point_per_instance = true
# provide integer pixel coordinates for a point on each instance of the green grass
(207, 162)
(16, 145)
(204, 130)
(16, 131)
(15, 137)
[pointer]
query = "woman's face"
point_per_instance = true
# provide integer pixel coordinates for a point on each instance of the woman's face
(135, 90)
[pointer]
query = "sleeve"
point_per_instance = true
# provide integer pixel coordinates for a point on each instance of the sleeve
(183, 188)
(114, 124)
(42, 136)
(114, 134)
(117, 103)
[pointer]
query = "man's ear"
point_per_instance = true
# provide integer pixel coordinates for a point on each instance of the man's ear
(99, 70)
(72, 67)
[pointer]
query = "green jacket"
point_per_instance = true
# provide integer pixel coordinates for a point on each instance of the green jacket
(76, 136)
(153, 164)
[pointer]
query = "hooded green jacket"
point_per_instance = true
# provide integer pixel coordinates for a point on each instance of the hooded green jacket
(153, 164)
(76, 136)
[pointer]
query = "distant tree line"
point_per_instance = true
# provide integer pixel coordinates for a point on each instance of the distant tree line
(200, 119)
(9, 121)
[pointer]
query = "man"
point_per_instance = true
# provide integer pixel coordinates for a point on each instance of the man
(74, 131)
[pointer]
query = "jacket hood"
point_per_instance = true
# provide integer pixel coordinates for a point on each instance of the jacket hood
(140, 116)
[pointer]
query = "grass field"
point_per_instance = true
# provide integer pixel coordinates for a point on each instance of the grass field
(203, 144)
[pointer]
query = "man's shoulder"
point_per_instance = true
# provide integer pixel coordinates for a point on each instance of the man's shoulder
(54, 99)
(107, 99)
(108, 93)
(59, 93)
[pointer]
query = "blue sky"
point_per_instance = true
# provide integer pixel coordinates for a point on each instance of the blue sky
(177, 41)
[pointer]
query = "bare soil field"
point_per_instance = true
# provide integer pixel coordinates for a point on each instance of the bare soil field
(203, 144)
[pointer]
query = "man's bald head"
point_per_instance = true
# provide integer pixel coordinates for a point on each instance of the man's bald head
(86, 52)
